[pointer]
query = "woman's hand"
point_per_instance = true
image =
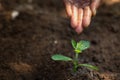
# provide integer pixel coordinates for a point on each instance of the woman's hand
(81, 17)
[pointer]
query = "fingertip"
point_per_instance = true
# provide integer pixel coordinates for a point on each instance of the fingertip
(93, 9)
(74, 17)
(79, 29)
(87, 17)
(94, 12)
(80, 17)
(85, 23)
(73, 24)
(95, 4)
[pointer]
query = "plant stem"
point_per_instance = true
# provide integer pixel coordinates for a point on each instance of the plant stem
(76, 56)
(75, 62)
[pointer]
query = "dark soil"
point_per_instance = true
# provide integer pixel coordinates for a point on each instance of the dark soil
(42, 29)
(80, 3)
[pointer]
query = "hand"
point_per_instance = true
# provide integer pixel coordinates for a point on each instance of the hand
(81, 17)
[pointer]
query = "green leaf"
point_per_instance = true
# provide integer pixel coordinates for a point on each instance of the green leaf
(89, 66)
(83, 45)
(74, 43)
(59, 57)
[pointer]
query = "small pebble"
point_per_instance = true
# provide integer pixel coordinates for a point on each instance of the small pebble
(55, 42)
(14, 14)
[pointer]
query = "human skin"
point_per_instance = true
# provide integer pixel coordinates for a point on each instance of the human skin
(81, 12)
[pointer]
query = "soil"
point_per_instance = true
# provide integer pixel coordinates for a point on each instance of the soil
(80, 3)
(42, 29)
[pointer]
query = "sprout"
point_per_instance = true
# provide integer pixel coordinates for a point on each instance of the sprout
(79, 47)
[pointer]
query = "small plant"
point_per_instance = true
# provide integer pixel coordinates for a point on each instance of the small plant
(79, 47)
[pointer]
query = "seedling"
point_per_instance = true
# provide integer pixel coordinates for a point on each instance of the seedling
(79, 47)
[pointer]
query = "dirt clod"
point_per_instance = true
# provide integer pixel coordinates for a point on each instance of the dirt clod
(80, 3)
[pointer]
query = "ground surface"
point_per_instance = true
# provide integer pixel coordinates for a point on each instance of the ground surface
(41, 30)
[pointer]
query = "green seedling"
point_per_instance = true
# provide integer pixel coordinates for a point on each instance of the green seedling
(79, 47)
